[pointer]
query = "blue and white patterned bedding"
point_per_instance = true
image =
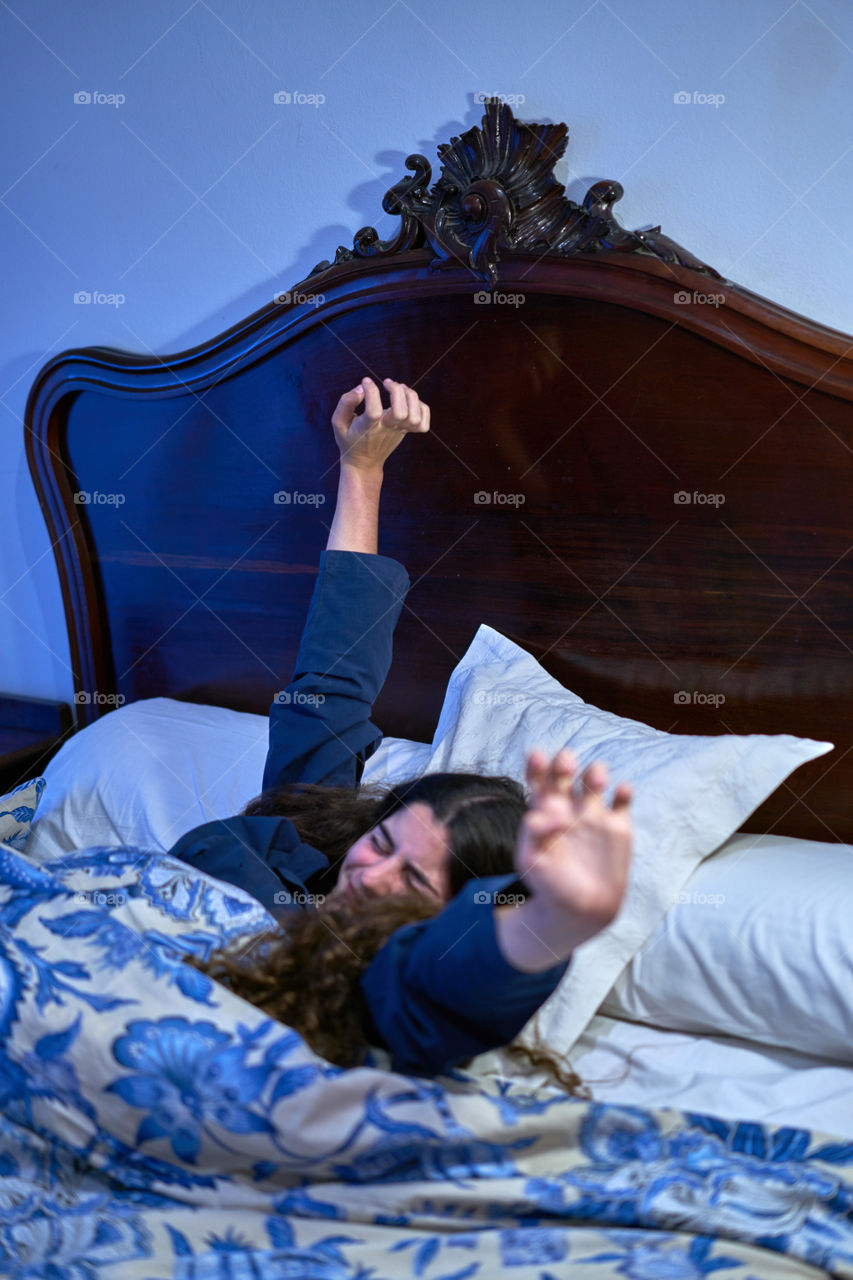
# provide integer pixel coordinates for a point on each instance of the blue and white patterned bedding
(154, 1125)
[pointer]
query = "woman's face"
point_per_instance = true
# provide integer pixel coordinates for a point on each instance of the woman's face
(407, 852)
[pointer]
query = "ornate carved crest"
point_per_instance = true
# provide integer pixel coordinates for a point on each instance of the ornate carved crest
(497, 193)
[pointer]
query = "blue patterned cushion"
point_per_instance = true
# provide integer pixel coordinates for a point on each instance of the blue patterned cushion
(17, 810)
(160, 899)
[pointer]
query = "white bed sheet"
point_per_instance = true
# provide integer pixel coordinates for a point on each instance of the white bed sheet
(636, 1065)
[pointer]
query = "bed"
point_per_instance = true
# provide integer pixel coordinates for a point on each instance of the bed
(627, 530)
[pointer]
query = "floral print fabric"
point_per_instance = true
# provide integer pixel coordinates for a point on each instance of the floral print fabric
(155, 1125)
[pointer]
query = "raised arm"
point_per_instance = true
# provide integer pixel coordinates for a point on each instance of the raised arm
(365, 442)
(320, 728)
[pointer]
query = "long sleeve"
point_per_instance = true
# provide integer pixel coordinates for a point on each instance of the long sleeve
(320, 729)
(262, 855)
(440, 991)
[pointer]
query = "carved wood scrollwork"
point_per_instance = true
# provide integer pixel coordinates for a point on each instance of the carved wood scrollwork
(497, 193)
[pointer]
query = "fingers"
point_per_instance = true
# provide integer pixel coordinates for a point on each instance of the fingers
(550, 777)
(560, 776)
(413, 409)
(536, 771)
(622, 797)
(399, 403)
(407, 411)
(365, 433)
(372, 399)
(347, 405)
(595, 779)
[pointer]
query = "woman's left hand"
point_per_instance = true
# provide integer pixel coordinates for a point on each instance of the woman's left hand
(573, 854)
(574, 849)
(366, 441)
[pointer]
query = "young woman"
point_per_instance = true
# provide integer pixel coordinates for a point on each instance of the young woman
(468, 976)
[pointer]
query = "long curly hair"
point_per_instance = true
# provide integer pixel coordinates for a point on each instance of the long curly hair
(307, 974)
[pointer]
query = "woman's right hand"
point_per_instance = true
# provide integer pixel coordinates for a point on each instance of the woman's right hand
(367, 440)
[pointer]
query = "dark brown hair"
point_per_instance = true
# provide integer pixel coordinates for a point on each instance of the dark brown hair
(307, 975)
(331, 819)
(481, 812)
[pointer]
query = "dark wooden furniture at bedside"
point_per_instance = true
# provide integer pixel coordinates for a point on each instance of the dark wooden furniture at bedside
(31, 731)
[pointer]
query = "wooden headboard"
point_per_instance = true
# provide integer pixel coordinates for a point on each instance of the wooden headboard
(637, 470)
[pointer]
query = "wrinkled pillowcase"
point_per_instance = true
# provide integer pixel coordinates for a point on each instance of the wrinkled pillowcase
(757, 945)
(17, 810)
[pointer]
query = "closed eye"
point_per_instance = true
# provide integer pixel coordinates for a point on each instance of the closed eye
(381, 842)
(417, 878)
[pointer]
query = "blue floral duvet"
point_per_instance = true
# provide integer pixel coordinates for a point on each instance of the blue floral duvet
(154, 1125)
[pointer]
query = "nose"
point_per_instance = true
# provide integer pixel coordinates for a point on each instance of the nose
(380, 878)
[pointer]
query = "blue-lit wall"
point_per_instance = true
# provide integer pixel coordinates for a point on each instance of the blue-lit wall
(194, 196)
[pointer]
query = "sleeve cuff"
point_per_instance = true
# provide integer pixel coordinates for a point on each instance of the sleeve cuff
(383, 569)
(440, 990)
(520, 992)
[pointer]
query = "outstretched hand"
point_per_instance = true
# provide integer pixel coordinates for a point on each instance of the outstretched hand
(573, 854)
(573, 849)
(367, 439)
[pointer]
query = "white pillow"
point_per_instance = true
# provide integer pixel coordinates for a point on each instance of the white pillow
(148, 772)
(692, 793)
(757, 945)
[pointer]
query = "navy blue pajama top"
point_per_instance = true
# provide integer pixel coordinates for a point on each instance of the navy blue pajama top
(439, 991)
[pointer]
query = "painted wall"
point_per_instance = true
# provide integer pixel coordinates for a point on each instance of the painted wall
(148, 164)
